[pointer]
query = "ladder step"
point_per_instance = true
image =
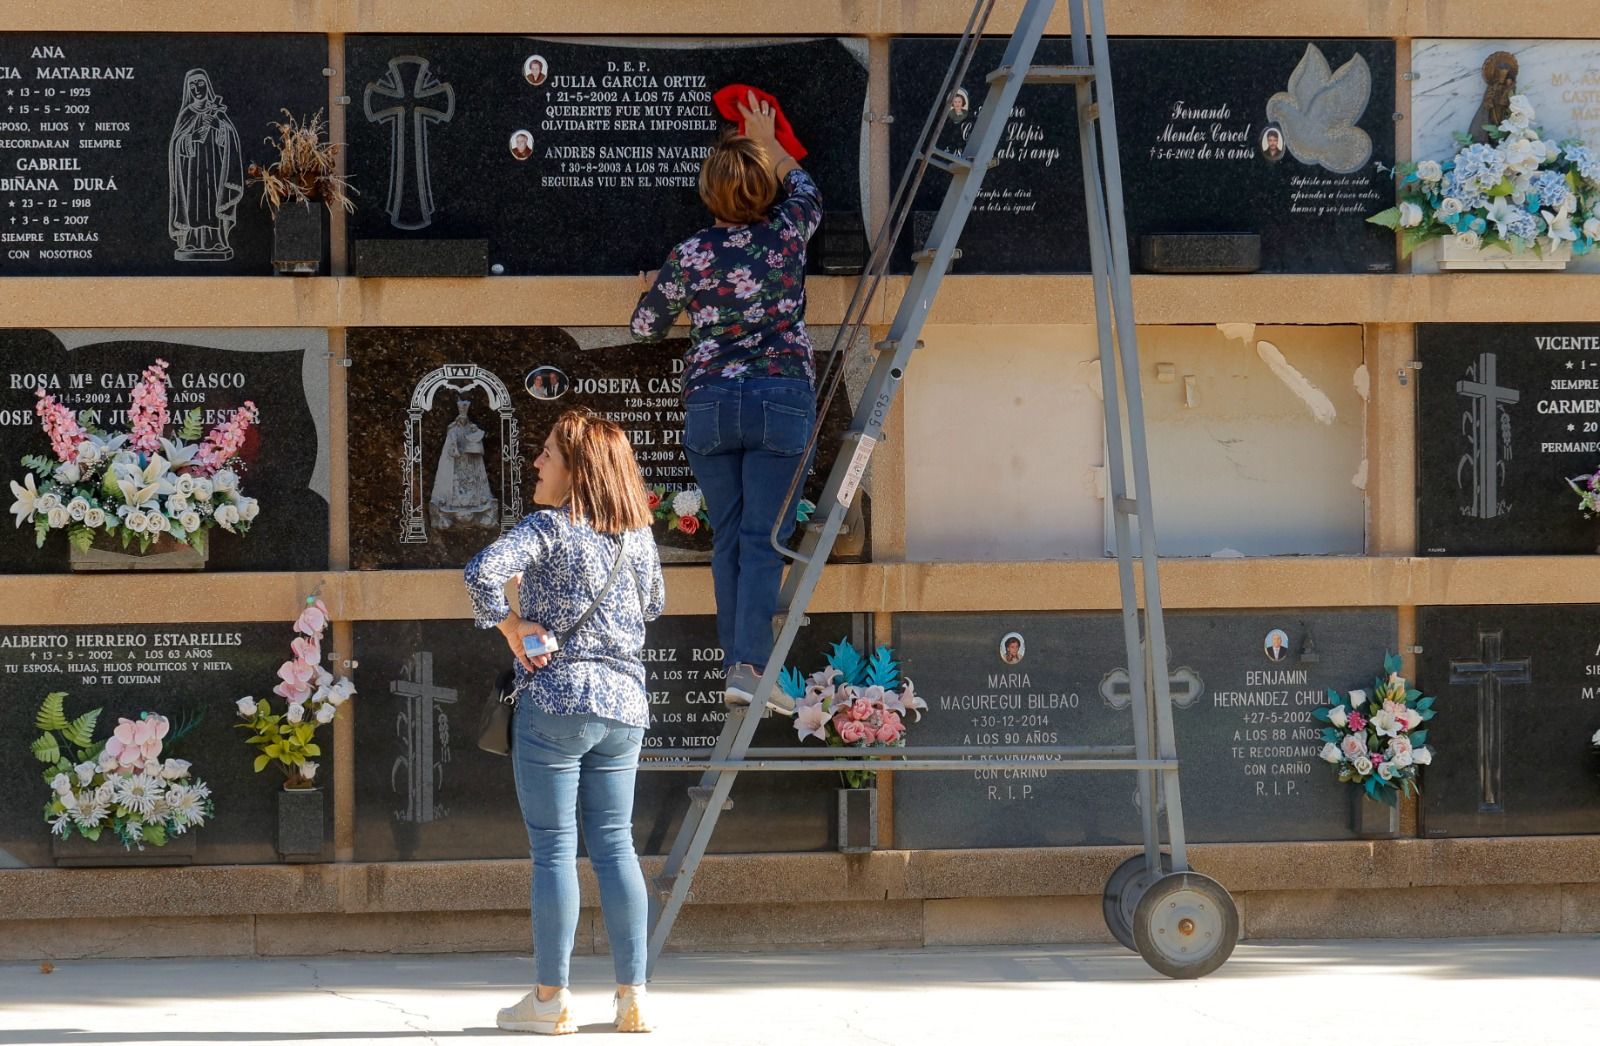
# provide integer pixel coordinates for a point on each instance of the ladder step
(702, 794)
(816, 525)
(781, 618)
(1059, 74)
(1126, 506)
(892, 345)
(926, 254)
(946, 160)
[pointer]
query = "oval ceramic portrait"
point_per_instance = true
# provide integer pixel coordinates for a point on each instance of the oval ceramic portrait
(535, 70)
(1013, 648)
(1276, 645)
(1272, 143)
(520, 144)
(547, 383)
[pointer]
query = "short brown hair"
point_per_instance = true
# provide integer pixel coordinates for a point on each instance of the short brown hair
(736, 181)
(607, 487)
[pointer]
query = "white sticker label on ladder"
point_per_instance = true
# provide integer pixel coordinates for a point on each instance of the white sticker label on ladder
(858, 467)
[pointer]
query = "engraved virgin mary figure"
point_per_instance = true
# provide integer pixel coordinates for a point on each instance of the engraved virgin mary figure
(461, 494)
(205, 174)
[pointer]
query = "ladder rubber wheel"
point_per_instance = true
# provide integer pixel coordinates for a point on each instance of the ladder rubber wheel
(1123, 890)
(1185, 925)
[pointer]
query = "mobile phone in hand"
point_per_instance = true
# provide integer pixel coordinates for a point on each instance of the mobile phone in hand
(538, 646)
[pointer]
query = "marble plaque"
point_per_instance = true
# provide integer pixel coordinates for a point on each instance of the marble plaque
(422, 396)
(1518, 691)
(125, 154)
(1278, 137)
(1506, 412)
(285, 460)
(424, 790)
(190, 673)
(577, 156)
(1561, 78)
(1247, 742)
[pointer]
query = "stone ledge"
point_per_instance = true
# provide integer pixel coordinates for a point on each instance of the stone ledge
(885, 877)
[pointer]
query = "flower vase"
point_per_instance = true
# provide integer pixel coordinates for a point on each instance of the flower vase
(1455, 257)
(858, 820)
(297, 239)
(1371, 818)
(300, 824)
(164, 553)
(108, 851)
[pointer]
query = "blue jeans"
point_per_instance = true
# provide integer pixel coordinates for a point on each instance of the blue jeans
(744, 440)
(562, 763)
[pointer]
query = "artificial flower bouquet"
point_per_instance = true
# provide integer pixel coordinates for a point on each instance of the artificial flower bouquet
(854, 702)
(1373, 739)
(121, 784)
(137, 486)
(312, 698)
(1587, 487)
(683, 511)
(1518, 192)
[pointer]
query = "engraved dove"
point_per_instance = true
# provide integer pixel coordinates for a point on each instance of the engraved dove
(1319, 111)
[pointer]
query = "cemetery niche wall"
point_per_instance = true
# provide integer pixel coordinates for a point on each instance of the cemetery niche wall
(452, 419)
(191, 673)
(125, 154)
(1244, 684)
(1237, 156)
(1518, 691)
(285, 460)
(568, 157)
(424, 791)
(1506, 413)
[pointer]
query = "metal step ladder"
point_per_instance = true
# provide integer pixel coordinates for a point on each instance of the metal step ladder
(1183, 923)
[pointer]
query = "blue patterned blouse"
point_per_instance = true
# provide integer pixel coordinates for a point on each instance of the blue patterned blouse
(563, 566)
(745, 289)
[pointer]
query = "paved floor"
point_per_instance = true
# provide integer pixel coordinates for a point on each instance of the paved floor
(1541, 990)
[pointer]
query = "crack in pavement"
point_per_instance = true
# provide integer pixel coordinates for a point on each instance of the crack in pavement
(317, 985)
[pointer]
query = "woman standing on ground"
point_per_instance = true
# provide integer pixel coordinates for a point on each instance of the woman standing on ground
(582, 711)
(748, 377)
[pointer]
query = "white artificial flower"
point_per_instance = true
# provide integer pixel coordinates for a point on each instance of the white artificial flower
(1422, 756)
(1358, 699)
(202, 489)
(308, 771)
(69, 473)
(159, 524)
(85, 772)
(687, 502)
(226, 516)
(88, 453)
(78, 508)
(177, 505)
(185, 486)
(1385, 722)
(1500, 211)
(246, 707)
(340, 692)
(137, 522)
(326, 713)
(1469, 239)
(1353, 746)
(1410, 215)
(94, 517)
(27, 496)
(61, 783)
(46, 502)
(59, 517)
(61, 824)
(1429, 171)
(91, 811)
(1559, 228)
(1338, 717)
(1449, 207)
(1400, 752)
(173, 769)
(225, 481)
(248, 509)
(1386, 771)
(185, 806)
(139, 792)
(189, 520)
(1362, 764)
(1330, 753)
(1520, 109)
(297, 712)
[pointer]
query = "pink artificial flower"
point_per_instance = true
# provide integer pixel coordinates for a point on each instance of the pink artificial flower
(891, 730)
(61, 425)
(225, 440)
(1358, 721)
(853, 732)
(307, 649)
(148, 414)
(136, 742)
(313, 619)
(860, 708)
(297, 677)
(811, 720)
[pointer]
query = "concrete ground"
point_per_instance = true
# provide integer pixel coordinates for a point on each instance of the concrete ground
(1543, 990)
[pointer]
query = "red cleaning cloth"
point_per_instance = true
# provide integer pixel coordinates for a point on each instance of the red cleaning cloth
(727, 102)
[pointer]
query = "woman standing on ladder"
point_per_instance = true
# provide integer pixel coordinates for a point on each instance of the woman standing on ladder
(748, 377)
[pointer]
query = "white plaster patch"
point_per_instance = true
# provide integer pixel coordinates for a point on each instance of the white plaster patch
(1363, 380)
(1359, 480)
(1088, 375)
(1314, 398)
(1227, 553)
(1245, 332)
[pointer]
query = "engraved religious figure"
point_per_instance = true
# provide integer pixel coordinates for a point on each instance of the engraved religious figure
(1481, 471)
(419, 499)
(205, 174)
(409, 97)
(423, 729)
(1319, 111)
(461, 495)
(1500, 83)
(1491, 672)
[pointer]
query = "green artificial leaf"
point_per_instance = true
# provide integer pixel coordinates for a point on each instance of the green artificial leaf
(155, 833)
(1417, 235)
(52, 713)
(1321, 713)
(1429, 714)
(108, 485)
(80, 537)
(197, 540)
(1389, 219)
(39, 465)
(145, 541)
(127, 536)
(190, 429)
(882, 669)
(41, 527)
(1392, 663)
(179, 534)
(1425, 704)
(261, 762)
(91, 834)
(46, 749)
(1331, 735)
(1505, 188)
(81, 730)
(313, 750)
(1419, 738)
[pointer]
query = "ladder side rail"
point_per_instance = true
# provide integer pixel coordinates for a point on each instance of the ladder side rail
(691, 818)
(1128, 345)
(1099, 252)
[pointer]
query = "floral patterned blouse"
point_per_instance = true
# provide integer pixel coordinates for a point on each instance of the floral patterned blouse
(563, 566)
(745, 290)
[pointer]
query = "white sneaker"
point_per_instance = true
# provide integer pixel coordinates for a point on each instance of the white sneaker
(631, 1006)
(545, 1018)
(740, 689)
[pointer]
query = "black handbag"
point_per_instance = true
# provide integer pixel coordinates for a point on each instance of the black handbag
(494, 721)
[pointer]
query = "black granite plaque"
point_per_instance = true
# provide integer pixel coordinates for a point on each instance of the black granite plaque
(1506, 413)
(1518, 691)
(124, 154)
(410, 505)
(1281, 138)
(1247, 742)
(424, 790)
(576, 157)
(284, 463)
(185, 672)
